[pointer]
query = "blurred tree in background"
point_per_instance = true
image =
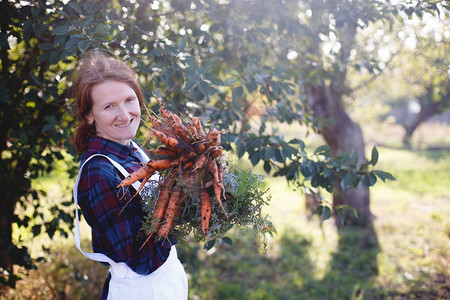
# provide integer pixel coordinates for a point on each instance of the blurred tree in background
(423, 65)
(414, 82)
(244, 66)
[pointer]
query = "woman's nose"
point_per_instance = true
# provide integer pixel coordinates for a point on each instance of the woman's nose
(123, 113)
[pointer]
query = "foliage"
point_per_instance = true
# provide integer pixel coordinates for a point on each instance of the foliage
(34, 123)
(231, 68)
(414, 83)
(245, 197)
(303, 260)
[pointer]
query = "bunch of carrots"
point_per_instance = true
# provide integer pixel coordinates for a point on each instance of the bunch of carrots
(189, 157)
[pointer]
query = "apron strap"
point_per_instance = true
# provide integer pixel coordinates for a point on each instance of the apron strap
(99, 256)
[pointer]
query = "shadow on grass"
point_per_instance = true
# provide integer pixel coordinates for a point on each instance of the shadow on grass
(353, 266)
(435, 155)
(288, 272)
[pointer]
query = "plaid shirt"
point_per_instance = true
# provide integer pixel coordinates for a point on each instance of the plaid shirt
(113, 234)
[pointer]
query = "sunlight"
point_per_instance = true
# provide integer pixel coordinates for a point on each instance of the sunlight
(292, 54)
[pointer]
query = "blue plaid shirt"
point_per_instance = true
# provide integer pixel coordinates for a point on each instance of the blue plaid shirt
(116, 235)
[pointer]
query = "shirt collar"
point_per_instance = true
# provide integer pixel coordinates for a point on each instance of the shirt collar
(98, 144)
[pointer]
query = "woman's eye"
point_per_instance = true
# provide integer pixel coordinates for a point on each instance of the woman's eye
(108, 107)
(131, 99)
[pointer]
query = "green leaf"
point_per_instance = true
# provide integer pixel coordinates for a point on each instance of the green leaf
(355, 156)
(315, 180)
(312, 167)
(369, 180)
(327, 172)
(254, 158)
(71, 43)
(99, 29)
(229, 81)
(83, 45)
(36, 229)
(227, 240)
(4, 94)
(75, 7)
(278, 155)
(206, 89)
(340, 214)
(189, 84)
(38, 28)
(209, 244)
(190, 60)
(324, 212)
(237, 93)
(384, 175)
(61, 30)
(46, 46)
(214, 80)
(241, 150)
(181, 44)
(347, 180)
(323, 150)
(267, 167)
(251, 86)
(374, 159)
(269, 153)
(292, 170)
(208, 65)
(4, 42)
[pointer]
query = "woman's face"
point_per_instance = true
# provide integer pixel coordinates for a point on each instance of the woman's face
(115, 111)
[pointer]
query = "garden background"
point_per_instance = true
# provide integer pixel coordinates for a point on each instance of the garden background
(346, 97)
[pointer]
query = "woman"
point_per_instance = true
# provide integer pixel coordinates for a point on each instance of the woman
(109, 98)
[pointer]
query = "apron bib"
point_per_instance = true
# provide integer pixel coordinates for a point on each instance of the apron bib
(168, 282)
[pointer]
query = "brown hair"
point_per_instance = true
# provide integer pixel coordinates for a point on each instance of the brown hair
(95, 68)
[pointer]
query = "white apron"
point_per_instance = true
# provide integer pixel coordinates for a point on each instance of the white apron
(168, 282)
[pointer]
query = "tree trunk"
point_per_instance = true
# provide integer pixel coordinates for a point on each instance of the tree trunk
(341, 134)
(6, 219)
(424, 114)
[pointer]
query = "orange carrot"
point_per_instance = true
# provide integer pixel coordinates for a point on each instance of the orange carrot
(218, 185)
(179, 129)
(162, 164)
(199, 162)
(217, 193)
(140, 173)
(205, 209)
(167, 114)
(200, 147)
(220, 173)
(144, 181)
(165, 139)
(170, 211)
(216, 151)
(161, 203)
(163, 151)
(198, 127)
(193, 132)
(213, 137)
(214, 169)
(188, 165)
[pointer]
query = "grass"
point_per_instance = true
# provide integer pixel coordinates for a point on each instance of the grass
(404, 255)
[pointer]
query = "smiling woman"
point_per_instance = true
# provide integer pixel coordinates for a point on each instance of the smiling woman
(109, 102)
(115, 111)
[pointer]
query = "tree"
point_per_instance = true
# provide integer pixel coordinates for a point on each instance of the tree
(34, 123)
(280, 62)
(414, 81)
(428, 76)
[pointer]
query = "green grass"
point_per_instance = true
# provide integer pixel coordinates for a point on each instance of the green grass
(404, 255)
